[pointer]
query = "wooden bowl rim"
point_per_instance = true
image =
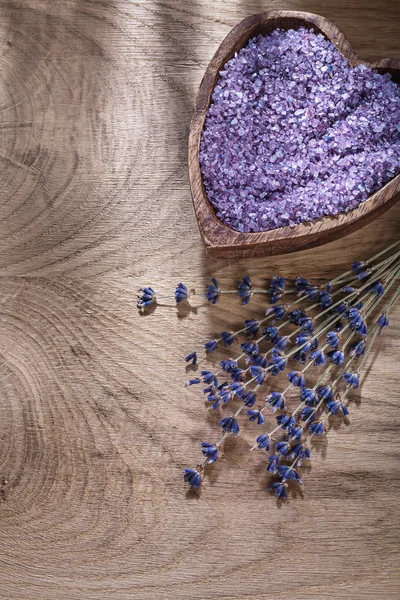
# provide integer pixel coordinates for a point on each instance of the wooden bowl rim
(213, 230)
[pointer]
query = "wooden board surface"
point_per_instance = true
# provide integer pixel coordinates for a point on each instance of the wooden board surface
(95, 425)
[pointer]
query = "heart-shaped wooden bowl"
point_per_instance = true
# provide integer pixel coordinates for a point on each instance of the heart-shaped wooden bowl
(221, 240)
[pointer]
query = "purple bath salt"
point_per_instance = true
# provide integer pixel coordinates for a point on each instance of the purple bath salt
(295, 133)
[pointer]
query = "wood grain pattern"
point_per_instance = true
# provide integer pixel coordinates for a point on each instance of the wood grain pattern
(220, 239)
(95, 425)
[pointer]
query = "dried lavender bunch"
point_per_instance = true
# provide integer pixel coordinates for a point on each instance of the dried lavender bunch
(336, 332)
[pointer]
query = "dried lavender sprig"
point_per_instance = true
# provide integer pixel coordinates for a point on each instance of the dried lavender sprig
(245, 290)
(387, 309)
(367, 262)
